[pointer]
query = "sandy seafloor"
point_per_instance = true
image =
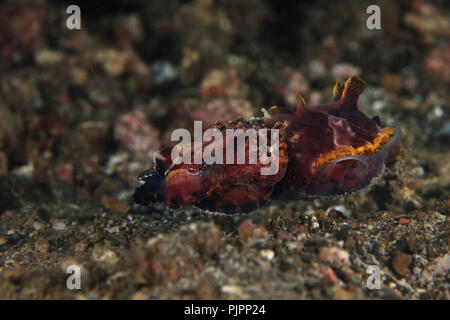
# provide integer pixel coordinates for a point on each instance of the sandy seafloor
(81, 112)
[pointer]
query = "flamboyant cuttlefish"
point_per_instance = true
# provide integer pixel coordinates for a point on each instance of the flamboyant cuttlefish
(324, 150)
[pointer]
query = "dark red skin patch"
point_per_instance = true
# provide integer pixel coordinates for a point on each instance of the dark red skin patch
(306, 135)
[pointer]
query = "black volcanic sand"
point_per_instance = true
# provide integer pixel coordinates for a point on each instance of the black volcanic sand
(81, 111)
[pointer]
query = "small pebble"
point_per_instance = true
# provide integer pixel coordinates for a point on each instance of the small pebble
(59, 225)
(42, 245)
(334, 255)
(400, 263)
(231, 289)
(267, 253)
